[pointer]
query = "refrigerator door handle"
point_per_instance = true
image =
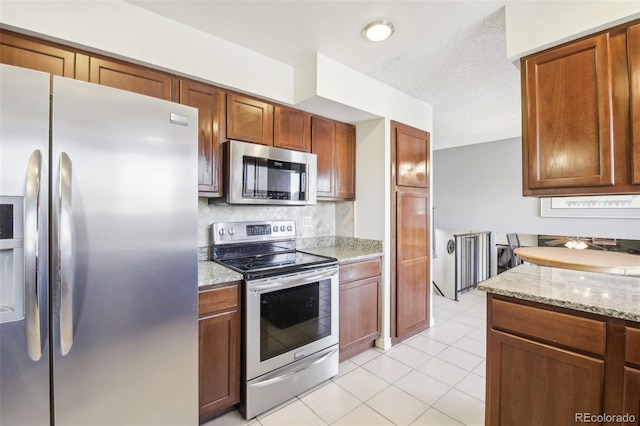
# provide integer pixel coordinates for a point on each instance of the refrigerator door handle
(65, 254)
(31, 239)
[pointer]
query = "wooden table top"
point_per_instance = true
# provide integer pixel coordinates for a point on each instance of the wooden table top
(582, 260)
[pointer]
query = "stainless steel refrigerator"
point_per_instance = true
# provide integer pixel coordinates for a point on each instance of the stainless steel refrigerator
(98, 255)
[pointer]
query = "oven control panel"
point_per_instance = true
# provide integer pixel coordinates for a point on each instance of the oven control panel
(237, 232)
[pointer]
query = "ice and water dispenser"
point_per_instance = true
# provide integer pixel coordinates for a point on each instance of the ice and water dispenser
(11, 259)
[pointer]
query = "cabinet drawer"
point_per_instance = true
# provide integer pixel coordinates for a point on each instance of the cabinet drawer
(632, 345)
(359, 270)
(218, 299)
(567, 330)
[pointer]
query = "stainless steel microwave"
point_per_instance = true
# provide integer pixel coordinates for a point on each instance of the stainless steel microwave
(260, 174)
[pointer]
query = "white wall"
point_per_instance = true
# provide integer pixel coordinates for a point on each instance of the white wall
(479, 187)
(536, 25)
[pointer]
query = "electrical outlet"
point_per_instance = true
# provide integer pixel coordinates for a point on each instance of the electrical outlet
(306, 221)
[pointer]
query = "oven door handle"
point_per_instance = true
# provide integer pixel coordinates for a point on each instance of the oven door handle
(289, 281)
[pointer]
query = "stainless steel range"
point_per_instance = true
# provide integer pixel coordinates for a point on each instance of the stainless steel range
(290, 311)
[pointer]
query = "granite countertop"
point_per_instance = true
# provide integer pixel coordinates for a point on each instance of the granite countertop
(346, 254)
(210, 273)
(344, 249)
(613, 296)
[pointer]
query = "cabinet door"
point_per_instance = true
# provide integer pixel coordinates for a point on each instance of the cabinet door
(359, 316)
(292, 129)
(412, 281)
(211, 104)
(25, 52)
(412, 157)
(323, 136)
(345, 159)
(567, 116)
(125, 76)
(249, 120)
(633, 48)
(529, 383)
(218, 363)
(631, 395)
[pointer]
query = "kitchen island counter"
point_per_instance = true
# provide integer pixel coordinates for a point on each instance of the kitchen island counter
(598, 293)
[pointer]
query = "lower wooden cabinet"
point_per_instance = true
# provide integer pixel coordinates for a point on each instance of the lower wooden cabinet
(552, 366)
(536, 384)
(631, 387)
(219, 350)
(360, 304)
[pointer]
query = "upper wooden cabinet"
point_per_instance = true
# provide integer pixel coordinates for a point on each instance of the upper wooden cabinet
(411, 157)
(25, 52)
(292, 129)
(577, 137)
(633, 45)
(334, 144)
(345, 158)
(249, 119)
(125, 76)
(211, 104)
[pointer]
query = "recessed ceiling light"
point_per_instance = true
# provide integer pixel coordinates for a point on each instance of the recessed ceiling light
(378, 30)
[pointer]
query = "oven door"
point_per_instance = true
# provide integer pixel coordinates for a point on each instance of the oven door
(289, 317)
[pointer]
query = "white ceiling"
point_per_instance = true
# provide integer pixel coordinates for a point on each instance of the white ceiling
(451, 54)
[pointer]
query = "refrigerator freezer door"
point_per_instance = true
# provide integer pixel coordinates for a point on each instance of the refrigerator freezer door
(124, 240)
(24, 153)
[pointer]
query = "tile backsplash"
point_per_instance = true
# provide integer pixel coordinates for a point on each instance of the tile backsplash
(322, 220)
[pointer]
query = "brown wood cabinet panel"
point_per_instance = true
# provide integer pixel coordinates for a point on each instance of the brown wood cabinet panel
(218, 299)
(359, 270)
(412, 157)
(292, 129)
(568, 102)
(632, 345)
(555, 327)
(410, 231)
(211, 104)
(249, 119)
(219, 355)
(631, 396)
(323, 134)
(359, 315)
(633, 43)
(412, 268)
(130, 77)
(345, 158)
(27, 52)
(550, 399)
(334, 143)
(219, 349)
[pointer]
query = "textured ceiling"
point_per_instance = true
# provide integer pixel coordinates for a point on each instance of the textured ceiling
(451, 54)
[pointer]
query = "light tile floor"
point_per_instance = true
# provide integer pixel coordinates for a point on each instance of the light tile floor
(435, 378)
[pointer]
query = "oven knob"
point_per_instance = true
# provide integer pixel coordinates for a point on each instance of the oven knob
(289, 228)
(232, 231)
(282, 228)
(221, 231)
(275, 229)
